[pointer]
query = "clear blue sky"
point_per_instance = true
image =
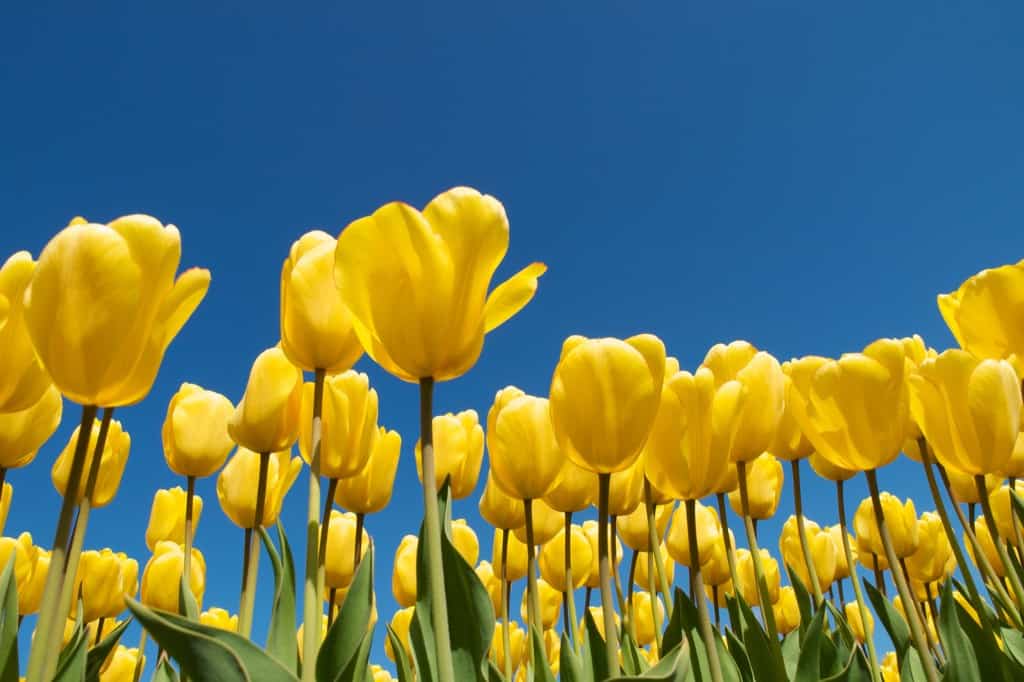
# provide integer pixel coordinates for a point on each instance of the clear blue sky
(806, 176)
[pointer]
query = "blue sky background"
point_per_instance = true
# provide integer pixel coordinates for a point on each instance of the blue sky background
(806, 176)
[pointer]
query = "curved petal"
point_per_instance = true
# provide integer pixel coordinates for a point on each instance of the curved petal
(512, 295)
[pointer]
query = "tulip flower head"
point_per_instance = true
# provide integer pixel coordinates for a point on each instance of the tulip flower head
(901, 520)
(546, 524)
(550, 599)
(369, 491)
(1002, 509)
(167, 516)
(643, 617)
(516, 556)
(195, 431)
(349, 427)
(22, 433)
(633, 527)
(575, 489)
(25, 555)
(933, 561)
(238, 481)
(400, 623)
(499, 509)
(403, 572)
(104, 579)
(709, 533)
(822, 549)
(862, 623)
(787, 611)
(525, 458)
(339, 558)
(111, 467)
(25, 380)
(458, 451)
(216, 617)
(764, 488)
(552, 559)
(986, 314)
(267, 417)
(161, 578)
(122, 664)
(590, 530)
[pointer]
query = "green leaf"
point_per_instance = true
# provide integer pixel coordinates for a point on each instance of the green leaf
(97, 655)
(164, 672)
(345, 638)
(71, 664)
(631, 658)
(1014, 642)
(187, 604)
(808, 668)
(672, 667)
(739, 655)
(541, 670)
(493, 674)
(421, 640)
(570, 666)
(765, 656)
(856, 669)
(9, 624)
(595, 645)
(803, 599)
(208, 653)
(281, 630)
(791, 652)
(403, 665)
(891, 619)
(674, 628)
(961, 664)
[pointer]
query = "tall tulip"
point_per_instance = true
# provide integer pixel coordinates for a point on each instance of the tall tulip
(764, 483)
(168, 514)
(112, 460)
(195, 431)
(162, 576)
(369, 491)
(985, 313)
(22, 433)
(458, 443)
(25, 380)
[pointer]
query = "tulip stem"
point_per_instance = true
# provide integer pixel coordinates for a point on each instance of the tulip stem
(933, 610)
(252, 553)
(652, 592)
(970, 511)
(801, 528)
(506, 588)
(99, 630)
(569, 608)
(325, 525)
(533, 603)
(43, 657)
(921, 614)
(331, 594)
(1017, 537)
(697, 590)
(655, 542)
(432, 530)
(727, 539)
(140, 656)
(630, 625)
(764, 599)
(313, 586)
(611, 643)
(997, 540)
(879, 575)
(858, 592)
(916, 629)
(718, 611)
(190, 493)
(614, 549)
(586, 598)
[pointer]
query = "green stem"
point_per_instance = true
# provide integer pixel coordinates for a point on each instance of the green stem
(570, 586)
(312, 588)
(655, 618)
(616, 577)
(245, 611)
(697, 589)
(190, 493)
(997, 540)
(801, 528)
(139, 659)
(858, 592)
(655, 542)
(921, 614)
(755, 554)
(611, 648)
(730, 555)
(628, 615)
(432, 530)
(506, 637)
(916, 629)
(533, 601)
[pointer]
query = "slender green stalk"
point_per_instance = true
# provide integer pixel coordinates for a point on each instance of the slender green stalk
(358, 549)
(139, 659)
(533, 602)
(858, 592)
(933, 610)
(655, 543)
(190, 493)
(312, 587)
(43, 655)
(332, 594)
(628, 617)
(801, 529)
(245, 610)
(506, 588)
(916, 629)
(1018, 538)
(616, 577)
(655, 617)
(611, 648)
(921, 615)
(697, 590)
(997, 540)
(879, 575)
(755, 554)
(727, 539)
(432, 530)
(569, 596)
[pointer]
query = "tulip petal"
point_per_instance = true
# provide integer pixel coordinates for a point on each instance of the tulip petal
(512, 295)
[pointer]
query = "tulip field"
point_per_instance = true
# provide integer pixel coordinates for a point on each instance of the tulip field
(624, 504)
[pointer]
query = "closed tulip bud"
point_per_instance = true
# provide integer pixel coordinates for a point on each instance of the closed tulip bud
(416, 282)
(465, 541)
(633, 527)
(787, 611)
(499, 509)
(645, 580)
(1002, 509)
(400, 623)
(23, 433)
(890, 668)
(552, 559)
(790, 443)
(900, 518)
(219, 618)
(546, 524)
(112, 462)
(597, 613)
(748, 581)
(121, 666)
(195, 431)
(103, 580)
(25, 555)
(25, 380)
(167, 516)
(829, 471)
(709, 533)
(369, 491)
(238, 482)
(267, 417)
(985, 315)
(316, 327)
(517, 645)
(822, 549)
(339, 566)
(763, 384)
(30, 594)
(552, 649)
(550, 599)
(349, 424)
(403, 573)
(643, 617)
(574, 490)
(969, 409)
(161, 578)
(933, 561)
(525, 459)
(987, 546)
(590, 531)
(695, 425)
(604, 397)
(842, 567)
(1014, 467)
(458, 451)
(379, 674)
(965, 490)
(516, 558)
(492, 583)
(714, 566)
(867, 556)
(6, 493)
(854, 410)
(862, 623)
(626, 490)
(764, 488)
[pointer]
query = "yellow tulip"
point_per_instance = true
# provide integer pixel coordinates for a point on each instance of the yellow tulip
(458, 451)
(748, 581)
(465, 541)
(492, 583)
(122, 664)
(552, 559)
(790, 443)
(339, 558)
(499, 509)
(633, 527)
(969, 409)
(369, 491)
(787, 611)
(890, 668)
(546, 523)
(30, 594)
(822, 549)
(525, 459)
(758, 416)
(861, 622)
(517, 645)
(901, 520)
(645, 581)
(162, 575)
(714, 568)
(626, 489)
(316, 327)
(933, 561)
(238, 482)
(349, 424)
(1014, 467)
(267, 417)
(829, 471)
(988, 547)
(97, 283)
(400, 622)
(516, 557)
(764, 488)
(22, 433)
(403, 572)
(604, 397)
(985, 315)
(25, 555)
(103, 580)
(590, 531)
(112, 462)
(965, 490)
(842, 568)
(379, 674)
(550, 600)
(552, 649)
(195, 431)
(6, 493)
(643, 618)
(574, 490)
(167, 516)
(302, 629)
(695, 427)
(867, 557)
(219, 618)
(25, 380)
(709, 533)
(597, 613)
(1002, 510)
